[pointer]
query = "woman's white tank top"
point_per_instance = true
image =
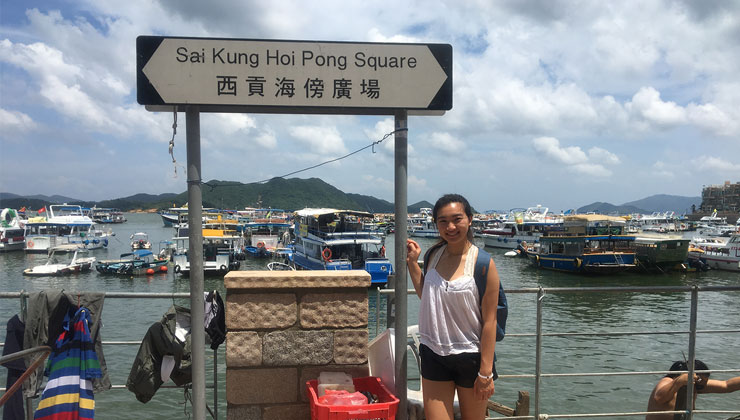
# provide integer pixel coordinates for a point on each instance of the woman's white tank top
(449, 316)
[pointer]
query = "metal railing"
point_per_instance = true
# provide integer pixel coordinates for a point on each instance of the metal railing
(539, 334)
(23, 297)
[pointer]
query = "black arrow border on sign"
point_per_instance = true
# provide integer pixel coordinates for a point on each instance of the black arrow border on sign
(146, 94)
(443, 99)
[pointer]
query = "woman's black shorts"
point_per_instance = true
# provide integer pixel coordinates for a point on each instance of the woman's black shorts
(460, 368)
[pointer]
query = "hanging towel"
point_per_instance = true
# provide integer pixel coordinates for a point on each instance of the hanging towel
(68, 394)
(215, 318)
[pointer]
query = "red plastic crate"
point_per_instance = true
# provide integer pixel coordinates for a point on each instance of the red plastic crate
(384, 409)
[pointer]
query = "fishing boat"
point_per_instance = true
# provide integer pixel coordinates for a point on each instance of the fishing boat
(220, 248)
(53, 266)
(591, 243)
(267, 237)
(521, 225)
(719, 255)
(139, 262)
(12, 234)
(331, 239)
(659, 252)
(140, 240)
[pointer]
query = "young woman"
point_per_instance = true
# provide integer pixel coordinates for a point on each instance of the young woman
(457, 332)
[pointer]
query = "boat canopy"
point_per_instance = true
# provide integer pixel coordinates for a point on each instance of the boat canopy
(594, 218)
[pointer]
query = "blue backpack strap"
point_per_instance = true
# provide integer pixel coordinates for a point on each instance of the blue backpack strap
(482, 264)
(428, 254)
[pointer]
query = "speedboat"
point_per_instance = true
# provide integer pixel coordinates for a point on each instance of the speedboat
(718, 255)
(140, 240)
(54, 267)
(12, 235)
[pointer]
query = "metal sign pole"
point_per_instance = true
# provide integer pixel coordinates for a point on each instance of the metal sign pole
(195, 256)
(401, 295)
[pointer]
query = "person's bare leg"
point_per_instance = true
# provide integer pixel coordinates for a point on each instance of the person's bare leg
(471, 407)
(438, 399)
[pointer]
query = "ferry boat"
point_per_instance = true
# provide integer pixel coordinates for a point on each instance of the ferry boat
(64, 224)
(12, 234)
(331, 239)
(590, 243)
(521, 226)
(719, 255)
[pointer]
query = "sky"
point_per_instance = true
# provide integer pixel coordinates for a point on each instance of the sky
(559, 103)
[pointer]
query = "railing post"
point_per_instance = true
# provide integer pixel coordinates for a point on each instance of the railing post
(692, 351)
(538, 354)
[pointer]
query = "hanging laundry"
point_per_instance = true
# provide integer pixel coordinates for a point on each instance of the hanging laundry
(13, 409)
(47, 310)
(168, 337)
(215, 318)
(68, 394)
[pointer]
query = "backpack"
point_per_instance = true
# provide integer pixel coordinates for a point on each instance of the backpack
(480, 274)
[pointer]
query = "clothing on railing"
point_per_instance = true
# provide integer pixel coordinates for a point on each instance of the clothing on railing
(45, 322)
(72, 365)
(215, 318)
(168, 337)
(13, 409)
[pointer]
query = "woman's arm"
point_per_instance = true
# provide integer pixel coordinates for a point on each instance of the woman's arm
(484, 388)
(413, 250)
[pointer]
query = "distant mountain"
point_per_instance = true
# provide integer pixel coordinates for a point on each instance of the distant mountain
(663, 202)
(372, 204)
(416, 207)
(54, 199)
(608, 208)
(654, 203)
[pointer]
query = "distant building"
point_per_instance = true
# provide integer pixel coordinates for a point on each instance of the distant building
(723, 198)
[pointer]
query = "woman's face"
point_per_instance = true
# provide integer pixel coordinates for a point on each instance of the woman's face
(452, 222)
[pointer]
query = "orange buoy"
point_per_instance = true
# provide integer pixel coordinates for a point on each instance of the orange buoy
(163, 268)
(260, 244)
(326, 254)
(150, 271)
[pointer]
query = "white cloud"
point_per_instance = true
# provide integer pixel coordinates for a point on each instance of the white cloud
(574, 159)
(445, 142)
(266, 139)
(323, 140)
(715, 164)
(646, 104)
(15, 121)
(662, 170)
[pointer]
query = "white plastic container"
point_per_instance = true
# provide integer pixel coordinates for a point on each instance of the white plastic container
(335, 381)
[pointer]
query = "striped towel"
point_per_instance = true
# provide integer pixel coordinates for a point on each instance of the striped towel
(68, 394)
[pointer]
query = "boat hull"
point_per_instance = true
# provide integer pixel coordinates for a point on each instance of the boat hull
(507, 241)
(604, 263)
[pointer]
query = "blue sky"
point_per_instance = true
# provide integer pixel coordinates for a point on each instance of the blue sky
(559, 103)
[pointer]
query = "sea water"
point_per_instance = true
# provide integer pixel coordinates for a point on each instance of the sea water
(129, 319)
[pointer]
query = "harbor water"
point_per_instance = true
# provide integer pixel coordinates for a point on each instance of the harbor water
(129, 319)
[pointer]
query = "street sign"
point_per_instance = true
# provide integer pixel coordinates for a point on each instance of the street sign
(303, 75)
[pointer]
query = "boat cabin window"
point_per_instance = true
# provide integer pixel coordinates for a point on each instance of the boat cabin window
(573, 248)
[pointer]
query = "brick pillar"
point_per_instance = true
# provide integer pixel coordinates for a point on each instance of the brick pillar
(284, 328)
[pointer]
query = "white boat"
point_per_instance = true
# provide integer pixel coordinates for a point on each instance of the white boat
(219, 251)
(715, 226)
(64, 223)
(331, 239)
(55, 268)
(140, 240)
(721, 256)
(12, 234)
(521, 226)
(421, 225)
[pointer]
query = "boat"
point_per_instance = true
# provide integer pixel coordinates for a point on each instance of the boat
(53, 267)
(660, 253)
(331, 239)
(526, 225)
(220, 248)
(590, 243)
(140, 240)
(139, 262)
(715, 226)
(719, 255)
(12, 234)
(63, 224)
(106, 215)
(422, 225)
(267, 237)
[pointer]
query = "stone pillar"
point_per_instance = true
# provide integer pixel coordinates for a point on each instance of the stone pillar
(284, 328)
